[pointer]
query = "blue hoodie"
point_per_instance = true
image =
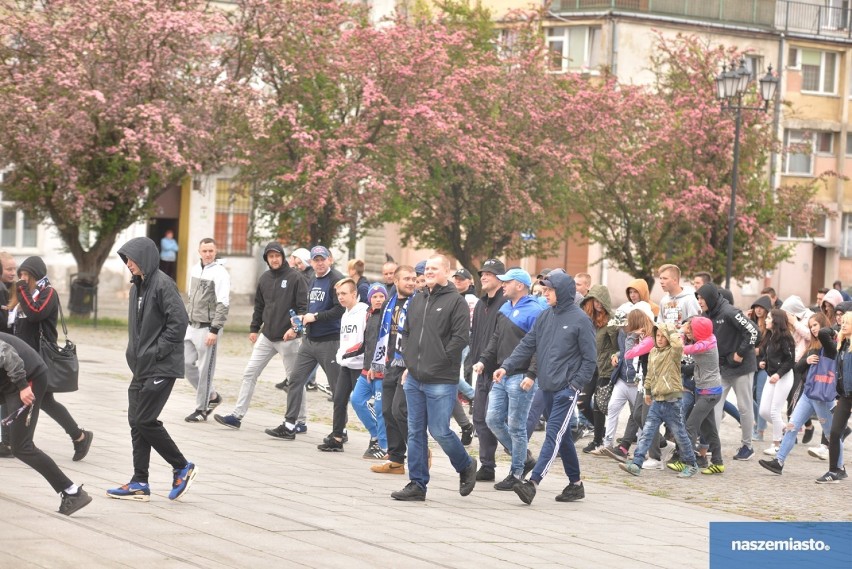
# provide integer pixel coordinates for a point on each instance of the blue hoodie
(562, 340)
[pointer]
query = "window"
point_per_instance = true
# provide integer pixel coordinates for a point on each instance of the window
(18, 230)
(825, 142)
(574, 48)
(846, 236)
(799, 151)
(816, 233)
(793, 58)
(754, 64)
(849, 144)
(507, 41)
(819, 71)
(233, 218)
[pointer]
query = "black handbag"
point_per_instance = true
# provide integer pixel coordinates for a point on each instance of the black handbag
(63, 369)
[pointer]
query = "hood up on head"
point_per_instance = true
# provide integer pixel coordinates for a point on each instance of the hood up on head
(833, 297)
(275, 246)
(702, 328)
(641, 286)
(601, 293)
(143, 252)
(564, 286)
(710, 294)
(35, 266)
(794, 305)
(764, 302)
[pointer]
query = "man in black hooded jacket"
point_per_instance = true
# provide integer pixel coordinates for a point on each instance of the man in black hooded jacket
(280, 290)
(156, 323)
(736, 337)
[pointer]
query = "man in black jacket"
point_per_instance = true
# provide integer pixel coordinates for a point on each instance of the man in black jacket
(23, 383)
(279, 290)
(156, 323)
(7, 285)
(482, 328)
(736, 336)
(435, 333)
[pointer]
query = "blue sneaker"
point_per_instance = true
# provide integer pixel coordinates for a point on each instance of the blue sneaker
(131, 491)
(228, 420)
(301, 428)
(744, 453)
(183, 480)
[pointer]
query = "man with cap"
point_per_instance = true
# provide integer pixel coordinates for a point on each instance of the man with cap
(482, 328)
(420, 282)
(562, 340)
(464, 284)
(279, 290)
(510, 398)
(320, 341)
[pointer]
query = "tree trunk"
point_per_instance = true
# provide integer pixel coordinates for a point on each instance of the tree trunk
(89, 262)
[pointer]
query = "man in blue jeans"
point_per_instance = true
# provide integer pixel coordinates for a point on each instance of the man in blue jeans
(563, 343)
(510, 399)
(435, 333)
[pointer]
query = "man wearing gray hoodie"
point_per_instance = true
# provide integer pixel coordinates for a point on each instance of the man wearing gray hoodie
(563, 343)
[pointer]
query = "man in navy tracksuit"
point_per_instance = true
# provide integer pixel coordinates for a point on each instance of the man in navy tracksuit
(563, 343)
(319, 346)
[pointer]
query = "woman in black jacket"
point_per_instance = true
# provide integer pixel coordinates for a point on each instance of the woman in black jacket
(777, 359)
(37, 311)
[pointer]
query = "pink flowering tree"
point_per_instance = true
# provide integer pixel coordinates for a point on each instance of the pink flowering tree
(105, 105)
(650, 171)
(321, 88)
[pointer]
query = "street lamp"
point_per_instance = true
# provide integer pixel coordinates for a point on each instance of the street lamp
(731, 85)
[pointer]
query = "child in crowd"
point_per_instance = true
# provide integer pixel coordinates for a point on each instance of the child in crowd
(663, 392)
(708, 390)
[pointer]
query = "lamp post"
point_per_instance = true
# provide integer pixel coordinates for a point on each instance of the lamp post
(731, 85)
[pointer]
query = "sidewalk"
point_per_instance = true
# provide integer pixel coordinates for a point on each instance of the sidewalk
(263, 502)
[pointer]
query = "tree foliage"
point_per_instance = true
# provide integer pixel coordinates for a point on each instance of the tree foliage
(104, 105)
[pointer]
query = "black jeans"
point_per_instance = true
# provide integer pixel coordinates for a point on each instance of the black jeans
(146, 399)
(59, 413)
(487, 440)
(838, 425)
(311, 353)
(342, 392)
(22, 437)
(395, 413)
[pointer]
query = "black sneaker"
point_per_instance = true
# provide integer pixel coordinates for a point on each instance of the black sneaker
(6, 451)
(230, 421)
(829, 477)
(507, 483)
(330, 436)
(213, 403)
(196, 417)
(771, 465)
(485, 474)
(81, 448)
(590, 447)
(312, 386)
(468, 478)
(303, 428)
(841, 474)
(525, 491)
(281, 432)
(331, 445)
(72, 502)
(411, 493)
(284, 385)
(616, 453)
(571, 493)
(809, 434)
(467, 435)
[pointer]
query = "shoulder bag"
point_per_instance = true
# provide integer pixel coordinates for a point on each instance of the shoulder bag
(63, 369)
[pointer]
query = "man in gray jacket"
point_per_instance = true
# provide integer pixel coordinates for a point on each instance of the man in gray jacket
(209, 299)
(563, 343)
(156, 323)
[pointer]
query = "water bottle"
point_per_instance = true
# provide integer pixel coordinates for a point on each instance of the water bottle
(298, 327)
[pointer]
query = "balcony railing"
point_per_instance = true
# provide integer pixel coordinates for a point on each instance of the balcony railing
(814, 17)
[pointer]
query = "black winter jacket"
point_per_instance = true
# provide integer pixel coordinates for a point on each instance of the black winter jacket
(18, 363)
(484, 324)
(278, 291)
(156, 318)
(37, 313)
(437, 329)
(734, 333)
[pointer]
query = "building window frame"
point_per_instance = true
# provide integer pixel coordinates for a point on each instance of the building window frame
(234, 218)
(826, 82)
(565, 37)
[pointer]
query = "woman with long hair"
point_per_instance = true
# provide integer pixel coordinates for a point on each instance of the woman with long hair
(35, 322)
(822, 345)
(777, 359)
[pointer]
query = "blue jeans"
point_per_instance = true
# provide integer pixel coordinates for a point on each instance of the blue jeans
(558, 407)
(668, 412)
(370, 416)
(760, 377)
(508, 409)
(431, 405)
(805, 408)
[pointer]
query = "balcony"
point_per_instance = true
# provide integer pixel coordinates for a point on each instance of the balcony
(814, 17)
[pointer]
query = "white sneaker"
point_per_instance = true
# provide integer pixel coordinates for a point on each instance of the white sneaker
(771, 451)
(667, 451)
(652, 464)
(820, 452)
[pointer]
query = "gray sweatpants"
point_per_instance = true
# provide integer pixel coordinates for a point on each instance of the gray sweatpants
(200, 364)
(311, 353)
(742, 386)
(262, 353)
